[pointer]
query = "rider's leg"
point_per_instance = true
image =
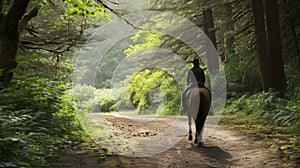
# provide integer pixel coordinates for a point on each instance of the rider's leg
(183, 101)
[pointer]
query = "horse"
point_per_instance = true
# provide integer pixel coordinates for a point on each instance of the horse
(198, 102)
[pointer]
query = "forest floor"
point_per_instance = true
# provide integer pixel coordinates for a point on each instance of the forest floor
(223, 148)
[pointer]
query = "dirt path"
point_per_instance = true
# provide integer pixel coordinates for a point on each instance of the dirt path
(223, 148)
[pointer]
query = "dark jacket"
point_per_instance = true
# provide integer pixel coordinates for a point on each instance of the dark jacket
(196, 76)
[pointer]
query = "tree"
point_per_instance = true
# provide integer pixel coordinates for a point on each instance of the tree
(268, 45)
(274, 45)
(51, 36)
(9, 37)
(228, 32)
(261, 44)
(209, 29)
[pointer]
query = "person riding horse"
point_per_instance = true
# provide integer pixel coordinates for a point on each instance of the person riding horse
(195, 78)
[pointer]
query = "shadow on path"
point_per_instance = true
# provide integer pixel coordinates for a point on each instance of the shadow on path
(213, 153)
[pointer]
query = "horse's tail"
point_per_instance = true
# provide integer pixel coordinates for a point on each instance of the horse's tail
(201, 103)
(204, 106)
(205, 101)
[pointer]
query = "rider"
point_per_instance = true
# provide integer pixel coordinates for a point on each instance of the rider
(195, 78)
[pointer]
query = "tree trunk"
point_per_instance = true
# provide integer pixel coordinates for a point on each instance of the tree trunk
(9, 39)
(8, 51)
(261, 44)
(269, 46)
(228, 36)
(209, 30)
(274, 45)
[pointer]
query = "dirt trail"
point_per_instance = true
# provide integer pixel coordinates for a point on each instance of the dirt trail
(223, 148)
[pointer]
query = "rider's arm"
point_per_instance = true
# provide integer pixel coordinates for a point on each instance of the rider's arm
(189, 76)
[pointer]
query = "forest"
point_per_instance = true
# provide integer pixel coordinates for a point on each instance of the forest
(61, 60)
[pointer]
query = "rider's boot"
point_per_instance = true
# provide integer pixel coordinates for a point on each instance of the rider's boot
(183, 110)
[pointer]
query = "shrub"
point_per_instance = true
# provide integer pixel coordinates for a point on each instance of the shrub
(91, 99)
(105, 100)
(153, 91)
(268, 106)
(37, 119)
(82, 92)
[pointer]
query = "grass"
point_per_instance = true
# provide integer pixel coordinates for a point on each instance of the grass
(277, 139)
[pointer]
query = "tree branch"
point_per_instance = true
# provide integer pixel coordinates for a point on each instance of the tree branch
(246, 9)
(116, 13)
(58, 49)
(52, 3)
(114, 2)
(33, 13)
(32, 32)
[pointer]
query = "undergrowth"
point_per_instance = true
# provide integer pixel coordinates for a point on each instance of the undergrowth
(268, 106)
(37, 120)
(274, 117)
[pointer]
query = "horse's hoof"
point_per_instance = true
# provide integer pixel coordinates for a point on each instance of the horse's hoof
(196, 141)
(190, 137)
(200, 144)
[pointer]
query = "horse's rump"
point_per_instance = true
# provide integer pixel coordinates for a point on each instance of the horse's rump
(198, 101)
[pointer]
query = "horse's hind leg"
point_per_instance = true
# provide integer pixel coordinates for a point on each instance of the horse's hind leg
(190, 126)
(200, 126)
(198, 130)
(196, 137)
(190, 135)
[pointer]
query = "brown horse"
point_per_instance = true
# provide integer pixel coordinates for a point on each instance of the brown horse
(198, 103)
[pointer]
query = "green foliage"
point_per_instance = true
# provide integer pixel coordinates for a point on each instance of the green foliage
(105, 100)
(37, 119)
(91, 99)
(243, 75)
(43, 65)
(268, 106)
(82, 92)
(148, 39)
(154, 91)
(85, 11)
(70, 14)
(59, 29)
(85, 7)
